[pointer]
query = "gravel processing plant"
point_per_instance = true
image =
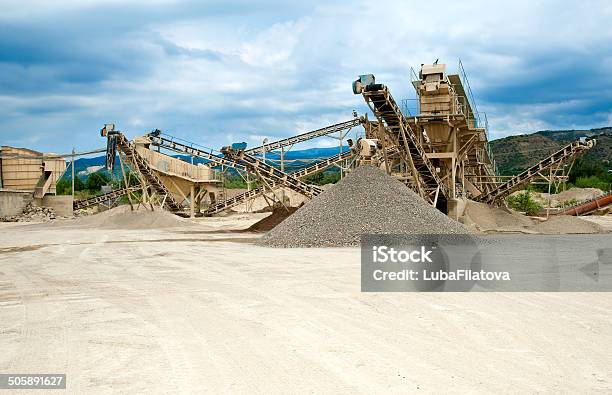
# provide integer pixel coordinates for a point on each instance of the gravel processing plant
(174, 282)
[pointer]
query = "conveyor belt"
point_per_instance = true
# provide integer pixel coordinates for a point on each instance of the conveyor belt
(569, 151)
(322, 165)
(181, 148)
(140, 164)
(272, 174)
(425, 180)
(305, 136)
(240, 161)
(300, 174)
(80, 204)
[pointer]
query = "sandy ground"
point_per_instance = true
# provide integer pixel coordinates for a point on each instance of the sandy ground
(184, 310)
(605, 221)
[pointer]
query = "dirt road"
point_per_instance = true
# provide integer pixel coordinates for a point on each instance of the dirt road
(184, 311)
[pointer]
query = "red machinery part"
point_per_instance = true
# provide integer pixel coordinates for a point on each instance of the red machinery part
(589, 206)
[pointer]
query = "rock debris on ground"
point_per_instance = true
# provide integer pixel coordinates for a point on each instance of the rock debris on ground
(367, 201)
(32, 213)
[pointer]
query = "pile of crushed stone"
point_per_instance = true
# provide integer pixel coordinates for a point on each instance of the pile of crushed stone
(32, 213)
(279, 214)
(367, 201)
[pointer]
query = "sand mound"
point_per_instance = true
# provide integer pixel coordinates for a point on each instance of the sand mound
(486, 218)
(565, 224)
(123, 217)
(365, 201)
(579, 194)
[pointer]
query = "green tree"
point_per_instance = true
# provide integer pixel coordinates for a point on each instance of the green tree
(326, 177)
(95, 181)
(234, 182)
(63, 186)
(79, 185)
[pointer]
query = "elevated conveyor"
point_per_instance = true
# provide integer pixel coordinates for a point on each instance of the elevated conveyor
(241, 161)
(182, 148)
(270, 173)
(112, 195)
(300, 174)
(424, 178)
(119, 141)
(569, 151)
(300, 138)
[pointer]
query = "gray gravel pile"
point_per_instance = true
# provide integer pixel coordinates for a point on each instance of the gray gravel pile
(365, 201)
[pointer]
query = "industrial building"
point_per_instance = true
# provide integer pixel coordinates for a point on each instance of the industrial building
(28, 176)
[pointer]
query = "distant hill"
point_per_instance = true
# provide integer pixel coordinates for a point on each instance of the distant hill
(514, 154)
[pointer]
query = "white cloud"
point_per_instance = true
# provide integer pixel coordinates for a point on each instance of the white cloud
(273, 46)
(235, 76)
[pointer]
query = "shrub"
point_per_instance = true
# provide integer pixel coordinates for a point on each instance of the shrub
(524, 202)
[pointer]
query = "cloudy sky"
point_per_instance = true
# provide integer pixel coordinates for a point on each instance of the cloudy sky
(216, 72)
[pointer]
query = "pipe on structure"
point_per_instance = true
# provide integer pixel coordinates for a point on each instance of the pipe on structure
(589, 206)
